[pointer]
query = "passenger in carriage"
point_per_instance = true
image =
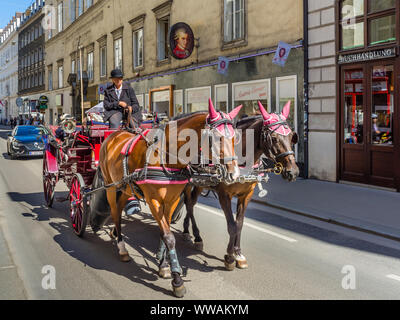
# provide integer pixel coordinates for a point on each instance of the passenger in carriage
(117, 98)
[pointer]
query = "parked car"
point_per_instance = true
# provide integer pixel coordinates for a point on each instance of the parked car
(26, 140)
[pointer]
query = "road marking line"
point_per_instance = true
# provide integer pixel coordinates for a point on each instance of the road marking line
(393, 276)
(8, 267)
(250, 225)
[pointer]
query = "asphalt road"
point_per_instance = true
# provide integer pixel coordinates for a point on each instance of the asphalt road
(290, 257)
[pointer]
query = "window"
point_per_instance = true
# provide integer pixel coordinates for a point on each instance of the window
(353, 106)
(90, 65)
(233, 20)
(197, 99)
(73, 66)
(162, 38)
(377, 24)
(382, 87)
(72, 10)
(375, 6)
(80, 7)
(286, 90)
(89, 3)
(60, 17)
(382, 30)
(138, 48)
(249, 93)
(140, 100)
(178, 102)
(78, 68)
(60, 77)
(118, 54)
(103, 62)
(221, 97)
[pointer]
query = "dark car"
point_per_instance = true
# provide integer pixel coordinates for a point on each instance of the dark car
(26, 141)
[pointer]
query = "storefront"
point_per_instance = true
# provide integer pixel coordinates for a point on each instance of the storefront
(368, 69)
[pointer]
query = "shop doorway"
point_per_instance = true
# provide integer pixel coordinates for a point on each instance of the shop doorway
(369, 142)
(161, 101)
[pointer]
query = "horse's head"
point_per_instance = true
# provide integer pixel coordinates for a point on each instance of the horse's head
(277, 141)
(222, 134)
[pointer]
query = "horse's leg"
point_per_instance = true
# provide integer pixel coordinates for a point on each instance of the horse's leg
(241, 261)
(162, 212)
(198, 241)
(116, 212)
(163, 268)
(189, 212)
(225, 201)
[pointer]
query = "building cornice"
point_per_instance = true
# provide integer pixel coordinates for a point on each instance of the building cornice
(75, 24)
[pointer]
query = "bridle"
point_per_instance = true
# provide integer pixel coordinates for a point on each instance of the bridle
(213, 125)
(268, 131)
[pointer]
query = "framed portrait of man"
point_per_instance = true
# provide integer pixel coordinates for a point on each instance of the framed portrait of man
(181, 41)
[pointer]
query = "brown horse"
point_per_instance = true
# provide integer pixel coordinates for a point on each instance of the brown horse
(162, 194)
(273, 138)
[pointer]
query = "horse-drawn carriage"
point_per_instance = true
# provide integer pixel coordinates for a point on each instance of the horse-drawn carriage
(103, 168)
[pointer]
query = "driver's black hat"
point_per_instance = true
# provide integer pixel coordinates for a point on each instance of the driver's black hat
(116, 73)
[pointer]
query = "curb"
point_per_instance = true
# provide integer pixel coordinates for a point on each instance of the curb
(328, 220)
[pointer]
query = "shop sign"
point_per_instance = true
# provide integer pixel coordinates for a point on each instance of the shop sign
(43, 100)
(32, 105)
(251, 92)
(161, 96)
(19, 102)
(223, 64)
(102, 89)
(198, 95)
(181, 41)
(367, 56)
(282, 54)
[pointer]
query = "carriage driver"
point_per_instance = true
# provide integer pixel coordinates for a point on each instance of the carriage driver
(117, 98)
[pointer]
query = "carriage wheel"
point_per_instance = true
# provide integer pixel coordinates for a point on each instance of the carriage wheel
(78, 207)
(49, 183)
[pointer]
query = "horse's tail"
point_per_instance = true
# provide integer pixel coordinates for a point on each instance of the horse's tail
(99, 207)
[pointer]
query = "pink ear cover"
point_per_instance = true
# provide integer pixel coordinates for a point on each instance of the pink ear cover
(286, 110)
(211, 110)
(233, 114)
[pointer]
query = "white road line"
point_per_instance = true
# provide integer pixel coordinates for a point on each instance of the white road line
(7, 267)
(393, 276)
(249, 225)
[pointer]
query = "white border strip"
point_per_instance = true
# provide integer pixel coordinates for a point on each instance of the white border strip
(393, 277)
(252, 226)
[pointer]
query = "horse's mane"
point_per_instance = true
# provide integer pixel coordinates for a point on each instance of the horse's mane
(187, 115)
(248, 119)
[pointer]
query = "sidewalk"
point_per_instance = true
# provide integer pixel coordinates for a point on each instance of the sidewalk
(362, 208)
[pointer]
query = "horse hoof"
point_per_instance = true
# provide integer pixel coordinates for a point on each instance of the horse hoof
(179, 292)
(229, 263)
(164, 273)
(241, 264)
(187, 237)
(124, 257)
(113, 233)
(199, 246)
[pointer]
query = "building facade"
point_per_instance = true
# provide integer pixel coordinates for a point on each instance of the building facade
(31, 66)
(134, 36)
(354, 103)
(9, 68)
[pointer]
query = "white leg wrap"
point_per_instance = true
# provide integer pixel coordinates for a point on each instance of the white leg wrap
(121, 247)
(239, 257)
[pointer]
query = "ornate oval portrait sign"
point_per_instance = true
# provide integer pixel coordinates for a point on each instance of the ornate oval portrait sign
(181, 41)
